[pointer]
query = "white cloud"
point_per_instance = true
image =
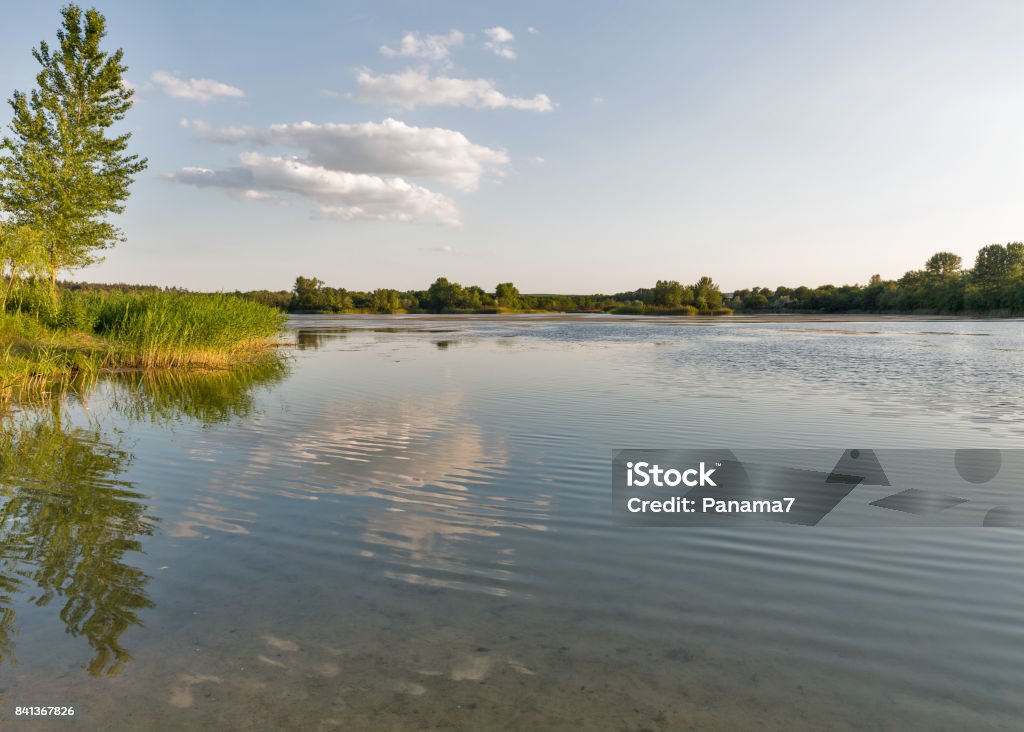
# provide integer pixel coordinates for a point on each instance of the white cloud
(202, 90)
(500, 35)
(412, 88)
(498, 40)
(252, 194)
(532, 30)
(505, 53)
(538, 159)
(221, 134)
(336, 194)
(431, 48)
(390, 147)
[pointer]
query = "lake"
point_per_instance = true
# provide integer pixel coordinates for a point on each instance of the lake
(406, 524)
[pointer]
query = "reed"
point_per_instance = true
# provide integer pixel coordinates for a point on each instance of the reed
(43, 351)
(175, 329)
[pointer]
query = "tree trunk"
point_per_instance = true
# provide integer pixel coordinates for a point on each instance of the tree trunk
(53, 279)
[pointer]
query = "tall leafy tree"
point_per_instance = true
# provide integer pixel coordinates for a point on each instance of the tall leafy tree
(668, 293)
(507, 295)
(385, 301)
(444, 294)
(62, 171)
(706, 294)
(943, 264)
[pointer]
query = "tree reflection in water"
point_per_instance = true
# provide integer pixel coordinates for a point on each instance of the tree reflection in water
(69, 522)
(66, 523)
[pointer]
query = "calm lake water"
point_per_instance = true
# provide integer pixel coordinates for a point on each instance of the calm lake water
(407, 525)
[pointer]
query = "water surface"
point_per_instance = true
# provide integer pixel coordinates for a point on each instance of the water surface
(406, 525)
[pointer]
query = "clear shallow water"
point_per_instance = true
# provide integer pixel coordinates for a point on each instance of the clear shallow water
(408, 526)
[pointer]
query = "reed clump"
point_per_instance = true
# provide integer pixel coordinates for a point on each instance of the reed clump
(35, 362)
(48, 346)
(163, 329)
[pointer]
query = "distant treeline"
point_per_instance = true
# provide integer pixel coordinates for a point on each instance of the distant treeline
(994, 285)
(311, 295)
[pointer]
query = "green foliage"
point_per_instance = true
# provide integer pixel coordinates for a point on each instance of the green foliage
(49, 349)
(31, 298)
(77, 312)
(310, 295)
(280, 299)
(996, 263)
(386, 301)
(61, 173)
(756, 301)
(36, 362)
(707, 296)
(168, 329)
(671, 294)
(995, 284)
(507, 296)
(943, 264)
(444, 295)
(21, 254)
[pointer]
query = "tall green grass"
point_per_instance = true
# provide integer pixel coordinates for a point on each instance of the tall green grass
(36, 362)
(48, 346)
(173, 329)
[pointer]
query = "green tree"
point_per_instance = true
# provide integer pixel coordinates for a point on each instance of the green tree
(62, 174)
(706, 294)
(943, 263)
(307, 294)
(756, 301)
(474, 297)
(443, 295)
(995, 262)
(507, 295)
(668, 294)
(997, 281)
(385, 301)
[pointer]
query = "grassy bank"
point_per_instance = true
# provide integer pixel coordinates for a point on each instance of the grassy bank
(46, 346)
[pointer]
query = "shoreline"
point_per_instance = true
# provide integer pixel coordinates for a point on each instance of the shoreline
(664, 319)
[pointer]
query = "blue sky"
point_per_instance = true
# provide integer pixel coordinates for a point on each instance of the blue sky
(568, 147)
